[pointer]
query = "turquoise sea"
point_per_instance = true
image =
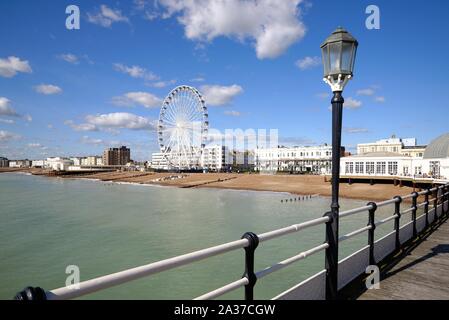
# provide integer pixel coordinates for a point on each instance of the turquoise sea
(47, 224)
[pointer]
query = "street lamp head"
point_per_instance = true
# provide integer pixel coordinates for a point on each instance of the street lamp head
(338, 52)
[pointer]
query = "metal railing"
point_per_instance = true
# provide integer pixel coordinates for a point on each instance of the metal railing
(250, 241)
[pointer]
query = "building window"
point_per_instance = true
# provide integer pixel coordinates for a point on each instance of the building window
(392, 167)
(359, 167)
(380, 167)
(405, 171)
(349, 167)
(435, 169)
(418, 170)
(369, 167)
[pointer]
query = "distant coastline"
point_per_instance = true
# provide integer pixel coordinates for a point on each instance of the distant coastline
(294, 184)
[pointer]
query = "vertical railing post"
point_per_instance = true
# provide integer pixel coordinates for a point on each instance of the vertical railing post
(446, 199)
(435, 205)
(371, 218)
(397, 212)
(426, 207)
(331, 255)
(253, 240)
(441, 200)
(414, 209)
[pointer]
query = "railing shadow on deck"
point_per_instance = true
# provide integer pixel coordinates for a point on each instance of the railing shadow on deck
(358, 287)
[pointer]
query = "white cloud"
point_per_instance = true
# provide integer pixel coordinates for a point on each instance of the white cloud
(135, 72)
(6, 109)
(69, 57)
(232, 113)
(308, 62)
(144, 99)
(380, 99)
(10, 66)
(351, 103)
(8, 121)
(365, 92)
(28, 118)
(199, 79)
(220, 95)
(162, 84)
(273, 25)
(47, 89)
(81, 126)
(120, 120)
(88, 140)
(355, 130)
(106, 16)
(34, 145)
(74, 59)
(6, 136)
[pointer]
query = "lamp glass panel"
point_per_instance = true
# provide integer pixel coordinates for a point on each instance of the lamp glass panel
(353, 57)
(346, 57)
(325, 55)
(335, 57)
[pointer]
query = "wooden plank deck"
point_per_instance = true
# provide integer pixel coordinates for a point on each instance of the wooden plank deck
(423, 274)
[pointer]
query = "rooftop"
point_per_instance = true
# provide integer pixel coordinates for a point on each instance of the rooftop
(438, 148)
(378, 154)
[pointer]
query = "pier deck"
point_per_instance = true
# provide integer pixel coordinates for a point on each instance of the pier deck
(422, 274)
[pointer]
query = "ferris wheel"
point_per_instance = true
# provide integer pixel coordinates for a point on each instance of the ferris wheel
(182, 127)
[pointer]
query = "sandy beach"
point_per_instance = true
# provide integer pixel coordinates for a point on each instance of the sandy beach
(295, 184)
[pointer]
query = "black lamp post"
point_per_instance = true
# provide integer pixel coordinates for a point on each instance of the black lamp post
(338, 52)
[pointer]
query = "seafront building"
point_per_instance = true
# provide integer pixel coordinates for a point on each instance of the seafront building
(20, 163)
(308, 159)
(4, 162)
(403, 146)
(58, 163)
(159, 161)
(38, 163)
(116, 156)
(406, 162)
(243, 160)
(216, 158)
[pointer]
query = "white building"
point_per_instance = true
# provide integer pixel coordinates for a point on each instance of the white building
(89, 161)
(77, 160)
(213, 158)
(434, 163)
(406, 147)
(316, 159)
(19, 163)
(216, 158)
(38, 163)
(158, 161)
(59, 163)
(99, 161)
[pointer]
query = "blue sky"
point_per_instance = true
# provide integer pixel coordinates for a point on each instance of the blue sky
(75, 92)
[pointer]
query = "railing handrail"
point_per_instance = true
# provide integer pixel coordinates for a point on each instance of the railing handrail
(106, 281)
(103, 282)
